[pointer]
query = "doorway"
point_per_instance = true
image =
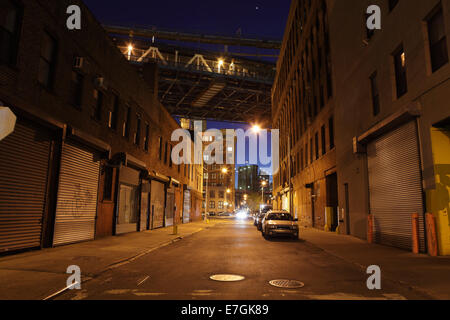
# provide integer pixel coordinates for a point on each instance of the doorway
(332, 200)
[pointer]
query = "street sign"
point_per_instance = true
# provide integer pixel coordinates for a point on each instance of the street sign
(7, 122)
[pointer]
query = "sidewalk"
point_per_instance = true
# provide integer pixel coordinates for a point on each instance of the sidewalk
(430, 275)
(37, 274)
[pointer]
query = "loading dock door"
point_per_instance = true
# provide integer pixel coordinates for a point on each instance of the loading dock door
(395, 187)
(170, 208)
(186, 206)
(157, 204)
(76, 206)
(24, 158)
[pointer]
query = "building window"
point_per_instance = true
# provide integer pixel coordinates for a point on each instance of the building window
(324, 147)
(212, 194)
(392, 4)
(47, 61)
(126, 123)
(165, 152)
(137, 135)
(316, 140)
(302, 164)
(400, 72)
(375, 94)
(10, 17)
(220, 205)
(306, 154)
(221, 194)
(76, 90)
(438, 40)
(212, 205)
(147, 135)
(331, 132)
(160, 148)
(113, 114)
(98, 105)
(108, 184)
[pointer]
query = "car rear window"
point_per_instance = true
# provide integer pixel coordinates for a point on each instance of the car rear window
(279, 216)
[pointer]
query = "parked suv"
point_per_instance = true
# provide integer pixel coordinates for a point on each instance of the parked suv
(279, 223)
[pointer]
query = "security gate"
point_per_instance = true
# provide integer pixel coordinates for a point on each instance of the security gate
(24, 158)
(76, 206)
(145, 206)
(157, 204)
(170, 207)
(395, 187)
(186, 206)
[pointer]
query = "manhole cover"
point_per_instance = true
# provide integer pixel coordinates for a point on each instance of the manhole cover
(287, 284)
(227, 277)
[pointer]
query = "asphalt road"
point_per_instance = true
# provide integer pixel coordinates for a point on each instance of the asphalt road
(182, 271)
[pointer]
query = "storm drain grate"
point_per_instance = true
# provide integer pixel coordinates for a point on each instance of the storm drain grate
(287, 284)
(226, 277)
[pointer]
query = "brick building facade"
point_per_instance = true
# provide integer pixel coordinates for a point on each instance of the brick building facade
(91, 153)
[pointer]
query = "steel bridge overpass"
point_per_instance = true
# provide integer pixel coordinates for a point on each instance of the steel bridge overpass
(200, 84)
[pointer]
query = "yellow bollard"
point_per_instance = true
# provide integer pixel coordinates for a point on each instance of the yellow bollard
(175, 229)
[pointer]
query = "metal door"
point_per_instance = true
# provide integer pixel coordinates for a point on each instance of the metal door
(157, 202)
(186, 206)
(395, 187)
(76, 206)
(170, 208)
(24, 158)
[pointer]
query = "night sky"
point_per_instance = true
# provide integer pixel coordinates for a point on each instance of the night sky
(265, 19)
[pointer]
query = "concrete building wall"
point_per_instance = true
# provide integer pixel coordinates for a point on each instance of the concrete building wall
(356, 61)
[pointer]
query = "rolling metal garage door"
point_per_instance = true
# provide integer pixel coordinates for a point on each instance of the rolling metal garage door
(395, 187)
(186, 206)
(170, 207)
(24, 158)
(157, 204)
(77, 195)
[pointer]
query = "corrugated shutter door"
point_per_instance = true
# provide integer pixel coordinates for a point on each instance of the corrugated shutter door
(24, 157)
(186, 206)
(77, 196)
(395, 187)
(157, 201)
(170, 208)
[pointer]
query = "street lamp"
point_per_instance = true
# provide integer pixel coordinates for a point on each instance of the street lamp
(130, 51)
(263, 184)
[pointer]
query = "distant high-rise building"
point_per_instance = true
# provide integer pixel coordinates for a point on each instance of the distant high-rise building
(248, 178)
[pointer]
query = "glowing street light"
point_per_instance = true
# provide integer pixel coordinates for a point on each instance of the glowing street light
(228, 190)
(256, 128)
(220, 64)
(130, 50)
(224, 170)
